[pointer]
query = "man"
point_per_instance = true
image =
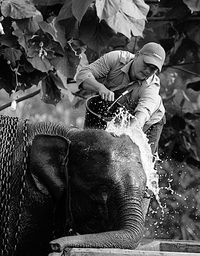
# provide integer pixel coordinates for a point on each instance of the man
(117, 71)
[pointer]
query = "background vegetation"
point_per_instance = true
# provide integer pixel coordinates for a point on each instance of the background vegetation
(43, 43)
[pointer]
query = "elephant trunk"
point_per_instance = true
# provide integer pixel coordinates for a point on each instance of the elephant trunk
(128, 235)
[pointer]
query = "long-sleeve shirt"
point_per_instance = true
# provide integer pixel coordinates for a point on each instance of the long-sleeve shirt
(112, 70)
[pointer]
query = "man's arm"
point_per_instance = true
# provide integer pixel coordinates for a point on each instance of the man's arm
(88, 75)
(149, 102)
(139, 119)
(92, 84)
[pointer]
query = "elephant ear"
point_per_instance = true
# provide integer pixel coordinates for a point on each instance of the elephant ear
(48, 163)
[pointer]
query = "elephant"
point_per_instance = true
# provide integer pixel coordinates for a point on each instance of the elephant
(64, 187)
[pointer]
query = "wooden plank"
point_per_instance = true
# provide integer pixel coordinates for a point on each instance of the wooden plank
(180, 246)
(170, 246)
(149, 246)
(120, 252)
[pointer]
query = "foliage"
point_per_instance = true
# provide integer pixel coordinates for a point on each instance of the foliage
(42, 41)
(176, 216)
(178, 32)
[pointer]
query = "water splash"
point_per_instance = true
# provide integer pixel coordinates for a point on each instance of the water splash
(121, 124)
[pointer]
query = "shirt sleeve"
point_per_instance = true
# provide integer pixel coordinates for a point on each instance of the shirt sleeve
(149, 99)
(99, 68)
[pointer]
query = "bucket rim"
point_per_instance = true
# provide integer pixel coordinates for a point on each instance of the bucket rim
(87, 107)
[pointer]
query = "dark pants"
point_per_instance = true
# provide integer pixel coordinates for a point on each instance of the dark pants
(153, 134)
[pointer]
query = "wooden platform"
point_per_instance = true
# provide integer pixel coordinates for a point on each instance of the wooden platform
(147, 248)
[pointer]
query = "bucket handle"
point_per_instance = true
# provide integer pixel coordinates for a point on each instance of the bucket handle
(122, 95)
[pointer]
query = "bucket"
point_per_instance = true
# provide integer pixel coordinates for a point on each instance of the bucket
(97, 114)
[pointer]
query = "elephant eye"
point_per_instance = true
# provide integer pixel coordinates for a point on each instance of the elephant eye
(100, 190)
(99, 196)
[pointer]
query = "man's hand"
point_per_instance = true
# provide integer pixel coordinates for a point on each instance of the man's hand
(139, 119)
(93, 85)
(106, 94)
(135, 123)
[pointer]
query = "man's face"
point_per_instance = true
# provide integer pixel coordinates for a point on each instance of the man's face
(142, 70)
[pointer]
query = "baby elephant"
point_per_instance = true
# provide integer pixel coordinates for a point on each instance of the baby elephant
(69, 188)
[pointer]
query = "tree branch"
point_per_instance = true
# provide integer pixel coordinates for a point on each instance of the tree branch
(21, 99)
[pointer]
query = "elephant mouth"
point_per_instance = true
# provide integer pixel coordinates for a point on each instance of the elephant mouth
(89, 215)
(127, 236)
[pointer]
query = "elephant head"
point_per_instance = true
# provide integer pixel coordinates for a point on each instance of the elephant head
(103, 183)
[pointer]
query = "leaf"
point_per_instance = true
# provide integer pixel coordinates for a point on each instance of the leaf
(194, 5)
(41, 64)
(32, 51)
(68, 64)
(55, 30)
(7, 77)
(123, 16)
(33, 23)
(107, 9)
(8, 40)
(18, 9)
(193, 32)
(56, 79)
(12, 55)
(98, 35)
(19, 30)
(27, 27)
(182, 101)
(31, 78)
(76, 8)
(47, 2)
(51, 93)
(178, 52)
(65, 11)
(62, 68)
(194, 85)
(28, 67)
(79, 8)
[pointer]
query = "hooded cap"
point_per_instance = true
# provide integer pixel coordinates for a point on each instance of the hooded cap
(153, 54)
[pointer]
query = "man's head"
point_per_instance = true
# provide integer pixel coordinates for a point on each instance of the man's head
(148, 61)
(154, 54)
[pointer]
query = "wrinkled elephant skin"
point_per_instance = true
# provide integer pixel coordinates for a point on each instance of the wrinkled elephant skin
(88, 181)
